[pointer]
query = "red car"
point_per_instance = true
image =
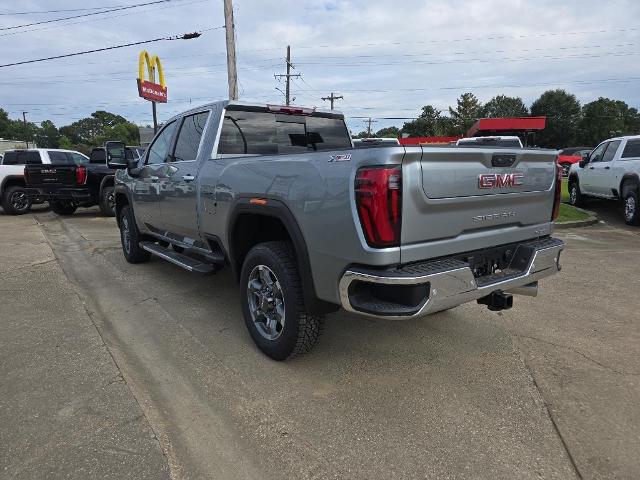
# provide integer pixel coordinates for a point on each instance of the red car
(569, 156)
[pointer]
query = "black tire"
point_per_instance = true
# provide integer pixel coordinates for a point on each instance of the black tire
(15, 201)
(631, 206)
(63, 208)
(130, 237)
(575, 196)
(300, 330)
(108, 202)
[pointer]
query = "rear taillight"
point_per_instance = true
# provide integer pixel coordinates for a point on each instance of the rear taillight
(557, 194)
(379, 204)
(81, 175)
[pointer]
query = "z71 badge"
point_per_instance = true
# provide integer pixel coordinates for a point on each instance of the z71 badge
(340, 158)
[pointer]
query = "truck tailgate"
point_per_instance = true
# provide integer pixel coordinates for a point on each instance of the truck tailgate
(50, 175)
(454, 199)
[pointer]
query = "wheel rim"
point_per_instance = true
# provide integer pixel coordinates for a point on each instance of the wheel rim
(126, 234)
(573, 195)
(111, 201)
(629, 208)
(266, 302)
(19, 201)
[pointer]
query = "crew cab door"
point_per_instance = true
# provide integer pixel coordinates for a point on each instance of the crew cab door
(588, 174)
(178, 198)
(146, 186)
(603, 174)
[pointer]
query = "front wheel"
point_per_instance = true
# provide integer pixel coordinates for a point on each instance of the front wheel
(575, 196)
(631, 210)
(130, 237)
(15, 201)
(63, 207)
(273, 304)
(108, 202)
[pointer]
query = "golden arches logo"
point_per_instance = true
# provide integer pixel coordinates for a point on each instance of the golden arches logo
(149, 89)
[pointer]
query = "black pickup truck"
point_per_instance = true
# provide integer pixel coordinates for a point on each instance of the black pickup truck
(67, 186)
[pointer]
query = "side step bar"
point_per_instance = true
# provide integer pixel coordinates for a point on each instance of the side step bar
(188, 263)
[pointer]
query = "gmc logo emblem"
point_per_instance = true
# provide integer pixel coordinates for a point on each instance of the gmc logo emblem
(49, 170)
(500, 180)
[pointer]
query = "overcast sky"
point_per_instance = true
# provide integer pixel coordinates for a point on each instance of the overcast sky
(386, 58)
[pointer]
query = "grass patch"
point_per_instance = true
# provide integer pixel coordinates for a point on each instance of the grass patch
(565, 190)
(571, 214)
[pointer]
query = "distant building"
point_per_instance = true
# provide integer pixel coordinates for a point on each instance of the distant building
(12, 144)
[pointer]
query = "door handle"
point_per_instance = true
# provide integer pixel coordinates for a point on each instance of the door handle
(188, 178)
(607, 168)
(154, 178)
(590, 168)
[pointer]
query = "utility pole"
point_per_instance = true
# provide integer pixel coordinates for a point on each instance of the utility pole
(26, 129)
(288, 76)
(232, 71)
(332, 98)
(369, 122)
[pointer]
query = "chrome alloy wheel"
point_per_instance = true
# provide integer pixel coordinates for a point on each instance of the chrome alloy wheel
(629, 207)
(266, 302)
(573, 195)
(126, 234)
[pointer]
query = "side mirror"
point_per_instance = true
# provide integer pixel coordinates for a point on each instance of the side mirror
(583, 163)
(116, 155)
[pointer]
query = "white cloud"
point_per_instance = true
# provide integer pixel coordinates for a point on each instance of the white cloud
(414, 52)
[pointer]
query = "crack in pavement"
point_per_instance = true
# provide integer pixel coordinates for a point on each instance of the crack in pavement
(578, 352)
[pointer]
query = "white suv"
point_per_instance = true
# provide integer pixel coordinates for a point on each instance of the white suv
(611, 171)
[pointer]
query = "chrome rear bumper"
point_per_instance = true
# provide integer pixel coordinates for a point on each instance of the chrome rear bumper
(450, 282)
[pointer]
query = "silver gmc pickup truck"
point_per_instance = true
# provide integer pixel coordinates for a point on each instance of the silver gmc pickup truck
(309, 224)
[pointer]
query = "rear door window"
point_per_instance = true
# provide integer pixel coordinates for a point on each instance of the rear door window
(632, 149)
(188, 141)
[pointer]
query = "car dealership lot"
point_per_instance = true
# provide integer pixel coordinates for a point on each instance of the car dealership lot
(546, 390)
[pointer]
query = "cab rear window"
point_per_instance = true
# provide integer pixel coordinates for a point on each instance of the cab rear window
(632, 149)
(18, 157)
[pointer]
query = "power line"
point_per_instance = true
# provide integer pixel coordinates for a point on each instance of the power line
(37, 12)
(18, 32)
(186, 36)
(84, 15)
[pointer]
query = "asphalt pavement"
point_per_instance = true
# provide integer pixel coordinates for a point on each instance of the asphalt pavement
(546, 390)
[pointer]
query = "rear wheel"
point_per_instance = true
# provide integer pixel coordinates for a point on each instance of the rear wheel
(273, 304)
(15, 201)
(575, 196)
(62, 207)
(108, 202)
(130, 237)
(631, 206)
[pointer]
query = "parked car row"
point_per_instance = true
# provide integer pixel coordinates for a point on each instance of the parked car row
(611, 171)
(66, 179)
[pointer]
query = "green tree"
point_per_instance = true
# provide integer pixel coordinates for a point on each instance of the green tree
(388, 132)
(100, 127)
(5, 124)
(562, 110)
(430, 123)
(502, 106)
(466, 112)
(47, 136)
(64, 142)
(605, 118)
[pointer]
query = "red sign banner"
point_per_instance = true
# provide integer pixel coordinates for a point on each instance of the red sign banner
(152, 91)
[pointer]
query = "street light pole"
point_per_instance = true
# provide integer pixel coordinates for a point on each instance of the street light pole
(232, 72)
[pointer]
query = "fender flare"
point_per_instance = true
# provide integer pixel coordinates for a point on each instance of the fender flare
(632, 178)
(106, 179)
(122, 191)
(277, 209)
(9, 178)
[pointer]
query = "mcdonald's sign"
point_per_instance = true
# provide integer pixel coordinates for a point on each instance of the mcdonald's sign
(149, 89)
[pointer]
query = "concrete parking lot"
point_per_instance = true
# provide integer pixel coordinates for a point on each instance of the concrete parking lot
(548, 389)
